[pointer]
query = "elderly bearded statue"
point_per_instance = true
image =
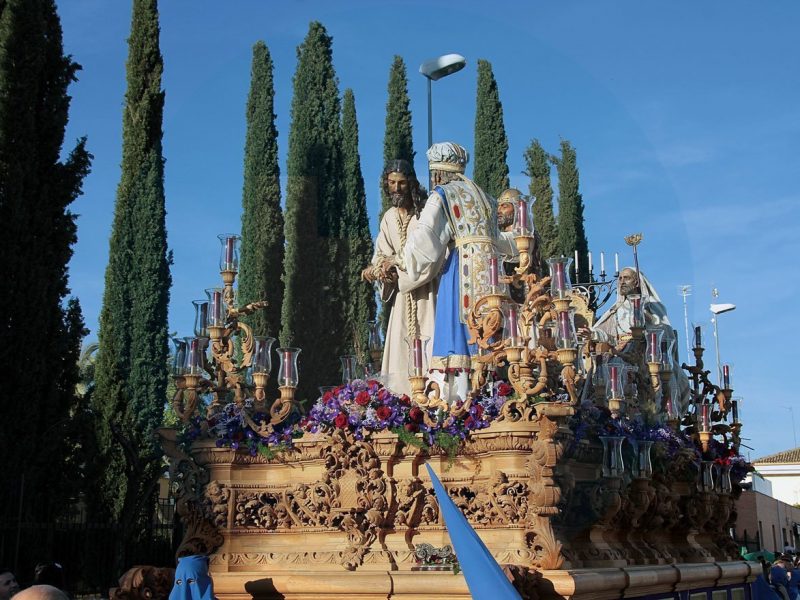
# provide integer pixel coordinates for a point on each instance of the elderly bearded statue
(412, 302)
(459, 222)
(614, 326)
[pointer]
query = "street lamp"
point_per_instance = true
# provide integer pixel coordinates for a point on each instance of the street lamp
(434, 69)
(719, 309)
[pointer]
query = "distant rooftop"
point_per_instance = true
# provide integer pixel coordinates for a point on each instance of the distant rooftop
(785, 457)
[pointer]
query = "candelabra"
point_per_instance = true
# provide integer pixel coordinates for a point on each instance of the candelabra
(208, 362)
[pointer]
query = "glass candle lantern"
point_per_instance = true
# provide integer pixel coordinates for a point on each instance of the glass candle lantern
(195, 355)
(724, 484)
(705, 416)
(511, 326)
(613, 464)
(653, 337)
(698, 336)
(522, 218)
(726, 377)
(349, 365)
(705, 482)
(600, 371)
(615, 379)
(179, 358)
(735, 409)
(216, 308)
(229, 253)
(262, 354)
(580, 365)
(287, 370)
(667, 348)
(494, 273)
(565, 330)
(671, 403)
(200, 317)
(637, 316)
(417, 355)
(560, 284)
(374, 340)
(642, 465)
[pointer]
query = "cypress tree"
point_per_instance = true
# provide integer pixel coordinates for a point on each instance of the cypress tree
(571, 231)
(313, 304)
(398, 141)
(131, 369)
(262, 219)
(361, 307)
(490, 170)
(540, 188)
(36, 190)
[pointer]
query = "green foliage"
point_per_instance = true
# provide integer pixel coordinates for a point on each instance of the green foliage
(571, 232)
(540, 188)
(312, 311)
(490, 170)
(262, 251)
(131, 368)
(36, 190)
(355, 228)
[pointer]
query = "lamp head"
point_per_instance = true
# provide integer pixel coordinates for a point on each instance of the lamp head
(442, 66)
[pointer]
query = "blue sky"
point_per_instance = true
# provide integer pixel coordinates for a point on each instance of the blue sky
(685, 117)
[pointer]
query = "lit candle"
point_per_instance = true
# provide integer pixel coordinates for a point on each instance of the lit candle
(417, 356)
(590, 262)
(726, 377)
(229, 251)
(614, 375)
(698, 337)
(522, 215)
(616, 263)
(576, 266)
(493, 271)
(602, 263)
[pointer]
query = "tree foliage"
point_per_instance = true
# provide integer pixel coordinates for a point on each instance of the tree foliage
(355, 227)
(541, 190)
(262, 218)
(131, 372)
(571, 230)
(490, 170)
(312, 312)
(36, 191)
(398, 141)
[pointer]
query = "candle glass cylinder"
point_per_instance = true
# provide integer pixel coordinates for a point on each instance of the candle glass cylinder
(511, 327)
(642, 464)
(629, 387)
(653, 337)
(705, 417)
(672, 401)
(229, 253)
(698, 336)
(705, 482)
(200, 317)
(349, 366)
(565, 331)
(179, 358)
(726, 377)
(724, 484)
(287, 371)
(613, 463)
(637, 316)
(216, 308)
(615, 379)
(560, 284)
(522, 218)
(417, 355)
(375, 340)
(667, 348)
(195, 355)
(580, 365)
(494, 273)
(262, 354)
(735, 409)
(600, 371)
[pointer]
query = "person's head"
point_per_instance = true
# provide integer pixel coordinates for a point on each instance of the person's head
(400, 183)
(628, 282)
(447, 162)
(49, 573)
(507, 203)
(41, 592)
(192, 581)
(8, 584)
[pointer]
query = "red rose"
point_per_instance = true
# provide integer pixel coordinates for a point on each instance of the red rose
(411, 427)
(362, 399)
(405, 400)
(415, 414)
(469, 422)
(340, 421)
(373, 383)
(327, 397)
(383, 412)
(478, 411)
(504, 389)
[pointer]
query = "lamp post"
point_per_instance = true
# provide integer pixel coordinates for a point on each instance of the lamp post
(719, 309)
(434, 69)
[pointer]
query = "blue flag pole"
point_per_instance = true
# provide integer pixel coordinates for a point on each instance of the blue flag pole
(484, 576)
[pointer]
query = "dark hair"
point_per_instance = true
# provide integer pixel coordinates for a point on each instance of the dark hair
(49, 573)
(5, 570)
(399, 165)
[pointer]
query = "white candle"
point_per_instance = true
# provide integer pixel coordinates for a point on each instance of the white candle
(590, 262)
(602, 262)
(576, 265)
(616, 263)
